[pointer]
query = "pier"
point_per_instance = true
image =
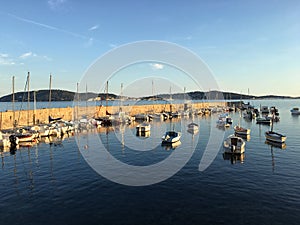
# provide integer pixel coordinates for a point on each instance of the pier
(31, 117)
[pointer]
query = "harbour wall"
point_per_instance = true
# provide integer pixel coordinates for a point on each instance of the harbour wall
(31, 117)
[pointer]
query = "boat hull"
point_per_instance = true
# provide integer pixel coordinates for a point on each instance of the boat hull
(275, 137)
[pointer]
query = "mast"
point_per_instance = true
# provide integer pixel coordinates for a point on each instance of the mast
(50, 91)
(28, 98)
(13, 101)
(86, 99)
(153, 96)
(121, 98)
(34, 106)
(77, 99)
(170, 99)
(106, 96)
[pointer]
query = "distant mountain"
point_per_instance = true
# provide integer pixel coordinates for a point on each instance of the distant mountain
(63, 95)
(56, 95)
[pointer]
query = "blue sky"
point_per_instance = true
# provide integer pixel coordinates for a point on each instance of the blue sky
(246, 44)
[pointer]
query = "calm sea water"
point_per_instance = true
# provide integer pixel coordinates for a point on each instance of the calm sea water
(53, 184)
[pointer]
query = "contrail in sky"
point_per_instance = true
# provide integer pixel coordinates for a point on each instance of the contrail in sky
(47, 26)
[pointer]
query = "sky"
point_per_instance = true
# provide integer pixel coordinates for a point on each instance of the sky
(251, 45)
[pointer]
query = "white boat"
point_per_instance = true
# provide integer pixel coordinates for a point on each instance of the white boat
(275, 137)
(241, 131)
(273, 117)
(224, 120)
(43, 130)
(26, 137)
(234, 145)
(143, 127)
(295, 111)
(264, 110)
(264, 120)
(171, 137)
(169, 146)
(156, 116)
(141, 117)
(193, 128)
(4, 141)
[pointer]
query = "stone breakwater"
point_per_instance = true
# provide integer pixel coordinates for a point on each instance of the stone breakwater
(31, 117)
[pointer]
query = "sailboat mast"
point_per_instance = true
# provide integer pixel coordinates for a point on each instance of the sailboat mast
(86, 98)
(153, 96)
(13, 100)
(28, 97)
(50, 91)
(106, 94)
(170, 99)
(121, 98)
(77, 108)
(34, 106)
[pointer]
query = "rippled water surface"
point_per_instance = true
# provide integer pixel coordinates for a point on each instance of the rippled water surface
(51, 183)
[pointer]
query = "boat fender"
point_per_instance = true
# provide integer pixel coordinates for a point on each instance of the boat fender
(232, 148)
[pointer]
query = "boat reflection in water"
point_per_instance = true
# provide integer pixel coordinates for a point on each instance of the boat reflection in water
(276, 144)
(145, 134)
(169, 146)
(234, 158)
(245, 137)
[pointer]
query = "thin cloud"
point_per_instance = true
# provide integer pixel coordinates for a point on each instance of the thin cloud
(89, 43)
(26, 55)
(157, 66)
(48, 26)
(94, 27)
(56, 4)
(113, 45)
(5, 60)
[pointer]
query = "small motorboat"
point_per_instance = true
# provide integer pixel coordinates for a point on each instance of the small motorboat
(264, 120)
(143, 127)
(275, 137)
(169, 146)
(171, 137)
(241, 131)
(234, 145)
(295, 111)
(193, 128)
(224, 120)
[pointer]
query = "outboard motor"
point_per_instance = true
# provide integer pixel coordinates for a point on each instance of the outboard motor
(13, 141)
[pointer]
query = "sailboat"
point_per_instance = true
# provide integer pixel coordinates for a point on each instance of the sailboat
(274, 136)
(241, 130)
(171, 136)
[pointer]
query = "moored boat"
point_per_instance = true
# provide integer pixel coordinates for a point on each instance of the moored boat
(234, 145)
(171, 137)
(143, 127)
(264, 120)
(275, 137)
(241, 131)
(193, 128)
(295, 111)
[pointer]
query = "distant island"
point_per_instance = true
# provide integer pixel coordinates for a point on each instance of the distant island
(63, 95)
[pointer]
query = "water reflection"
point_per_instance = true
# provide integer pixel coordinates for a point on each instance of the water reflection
(245, 137)
(145, 134)
(276, 144)
(168, 146)
(234, 158)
